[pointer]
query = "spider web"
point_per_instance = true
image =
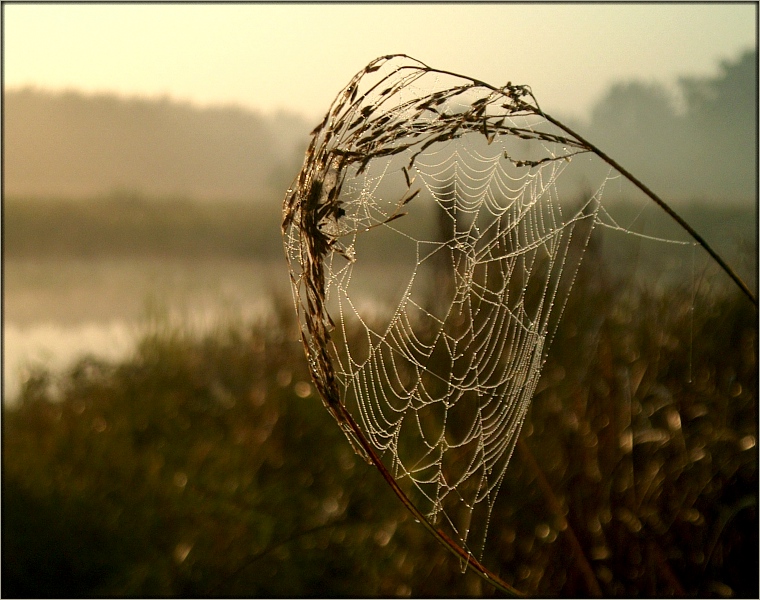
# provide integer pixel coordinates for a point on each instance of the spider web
(432, 249)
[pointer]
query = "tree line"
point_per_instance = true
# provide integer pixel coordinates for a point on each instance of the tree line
(698, 144)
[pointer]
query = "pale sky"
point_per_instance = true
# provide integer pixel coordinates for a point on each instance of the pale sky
(298, 57)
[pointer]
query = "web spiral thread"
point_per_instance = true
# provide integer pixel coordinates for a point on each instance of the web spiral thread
(431, 252)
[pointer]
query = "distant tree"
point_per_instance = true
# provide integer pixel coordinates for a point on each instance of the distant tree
(731, 94)
(70, 144)
(707, 151)
(639, 123)
(722, 114)
(634, 106)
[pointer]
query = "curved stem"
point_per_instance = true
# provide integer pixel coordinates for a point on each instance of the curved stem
(483, 572)
(317, 316)
(661, 203)
(630, 177)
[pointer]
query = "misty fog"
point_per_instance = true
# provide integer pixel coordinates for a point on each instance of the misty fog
(699, 146)
(87, 246)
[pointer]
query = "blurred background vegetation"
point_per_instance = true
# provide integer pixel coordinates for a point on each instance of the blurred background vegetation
(206, 466)
(692, 142)
(129, 225)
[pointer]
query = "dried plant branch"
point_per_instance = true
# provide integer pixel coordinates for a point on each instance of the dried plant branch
(662, 204)
(371, 120)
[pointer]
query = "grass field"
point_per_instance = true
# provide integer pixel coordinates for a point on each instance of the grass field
(206, 466)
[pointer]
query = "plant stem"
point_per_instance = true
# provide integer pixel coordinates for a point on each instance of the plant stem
(483, 572)
(628, 175)
(661, 203)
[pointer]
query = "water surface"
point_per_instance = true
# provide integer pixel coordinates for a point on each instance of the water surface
(57, 310)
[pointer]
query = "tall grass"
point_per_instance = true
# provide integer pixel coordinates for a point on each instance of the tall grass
(206, 465)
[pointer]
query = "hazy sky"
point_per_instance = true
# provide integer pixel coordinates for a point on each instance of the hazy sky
(299, 56)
